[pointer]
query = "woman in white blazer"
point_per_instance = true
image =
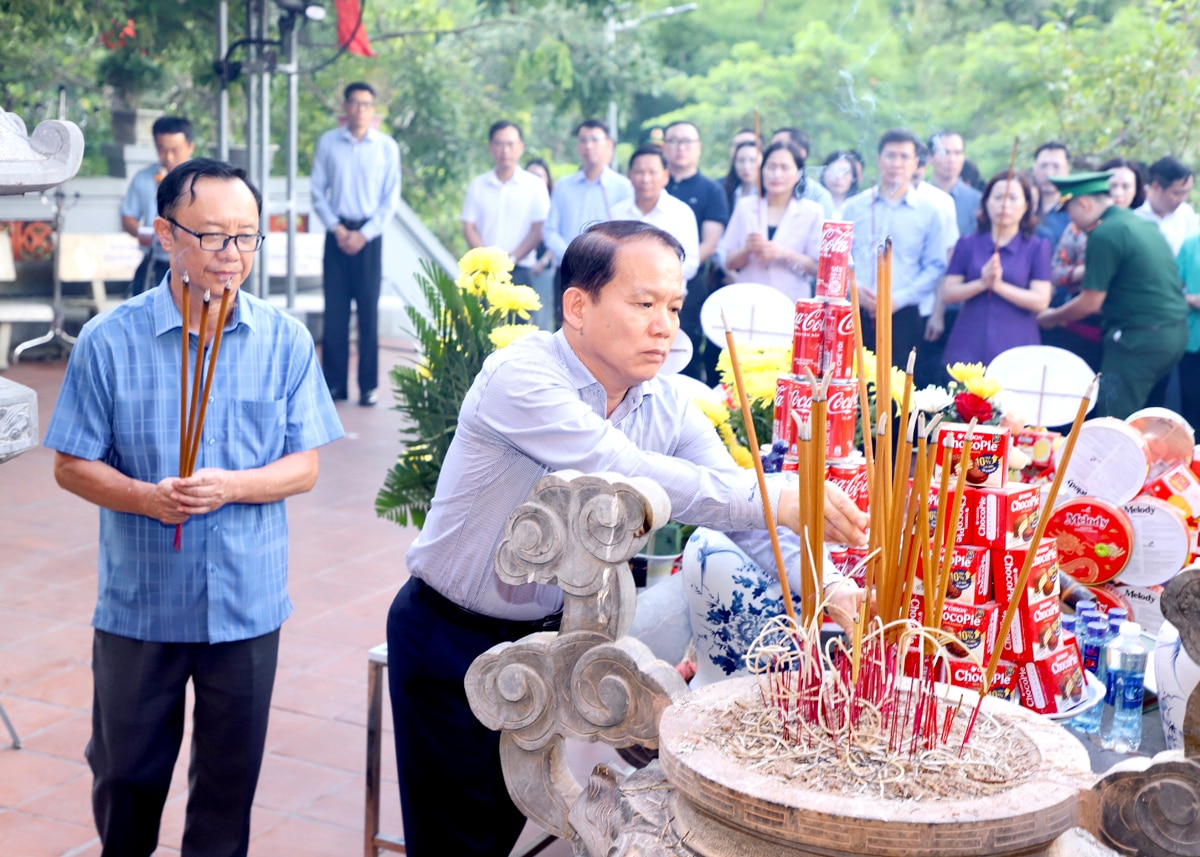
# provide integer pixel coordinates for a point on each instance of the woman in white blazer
(774, 236)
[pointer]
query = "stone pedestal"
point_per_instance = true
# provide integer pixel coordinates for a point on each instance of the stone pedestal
(134, 127)
(45, 159)
(125, 159)
(18, 419)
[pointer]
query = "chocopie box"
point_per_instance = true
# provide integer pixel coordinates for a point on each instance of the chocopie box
(974, 627)
(992, 516)
(1054, 684)
(1036, 631)
(1043, 582)
(1038, 444)
(964, 672)
(988, 463)
(970, 580)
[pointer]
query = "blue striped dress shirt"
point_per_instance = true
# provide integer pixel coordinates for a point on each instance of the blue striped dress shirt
(119, 403)
(535, 409)
(577, 203)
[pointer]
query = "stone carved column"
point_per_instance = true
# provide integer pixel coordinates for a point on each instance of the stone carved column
(1156, 812)
(588, 681)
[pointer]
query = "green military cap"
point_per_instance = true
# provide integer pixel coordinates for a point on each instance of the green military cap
(1080, 184)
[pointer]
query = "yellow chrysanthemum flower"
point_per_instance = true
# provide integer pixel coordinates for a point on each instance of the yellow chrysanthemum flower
(716, 412)
(985, 388)
(965, 372)
(486, 260)
(742, 456)
(761, 367)
(507, 334)
(509, 299)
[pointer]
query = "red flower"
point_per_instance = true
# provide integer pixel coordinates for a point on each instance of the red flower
(971, 406)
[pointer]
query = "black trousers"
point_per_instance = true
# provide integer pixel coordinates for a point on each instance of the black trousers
(351, 278)
(908, 332)
(452, 791)
(137, 729)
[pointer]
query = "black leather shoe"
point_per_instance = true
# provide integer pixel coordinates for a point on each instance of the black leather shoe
(369, 399)
(337, 395)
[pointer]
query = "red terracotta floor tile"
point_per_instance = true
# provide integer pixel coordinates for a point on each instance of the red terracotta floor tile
(25, 775)
(289, 786)
(70, 802)
(29, 717)
(25, 835)
(64, 740)
(299, 837)
(315, 695)
(332, 744)
(69, 688)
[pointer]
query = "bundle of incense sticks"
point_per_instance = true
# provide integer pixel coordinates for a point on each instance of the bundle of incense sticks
(810, 469)
(191, 417)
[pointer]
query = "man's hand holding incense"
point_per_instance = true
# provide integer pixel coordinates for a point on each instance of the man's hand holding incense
(204, 491)
(162, 505)
(844, 603)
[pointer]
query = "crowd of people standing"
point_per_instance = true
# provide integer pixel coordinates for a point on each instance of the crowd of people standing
(980, 264)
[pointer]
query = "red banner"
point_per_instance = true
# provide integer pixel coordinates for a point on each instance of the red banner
(350, 28)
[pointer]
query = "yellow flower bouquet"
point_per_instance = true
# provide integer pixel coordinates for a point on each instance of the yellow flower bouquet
(464, 321)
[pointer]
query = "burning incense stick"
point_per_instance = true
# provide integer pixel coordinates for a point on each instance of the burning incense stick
(1012, 163)
(200, 346)
(183, 381)
(752, 439)
(222, 312)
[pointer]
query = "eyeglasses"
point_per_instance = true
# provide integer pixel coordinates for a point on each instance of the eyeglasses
(215, 242)
(592, 140)
(682, 141)
(359, 105)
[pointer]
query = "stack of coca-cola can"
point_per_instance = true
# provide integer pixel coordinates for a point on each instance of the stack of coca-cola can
(823, 341)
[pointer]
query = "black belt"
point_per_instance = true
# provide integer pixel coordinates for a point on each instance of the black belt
(511, 629)
(352, 225)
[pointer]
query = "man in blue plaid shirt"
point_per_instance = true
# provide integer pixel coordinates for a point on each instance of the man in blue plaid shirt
(209, 612)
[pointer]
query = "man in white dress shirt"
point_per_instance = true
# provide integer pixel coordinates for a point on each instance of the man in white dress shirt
(506, 206)
(652, 204)
(1169, 185)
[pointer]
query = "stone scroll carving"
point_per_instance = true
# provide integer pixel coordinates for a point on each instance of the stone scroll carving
(18, 419)
(588, 682)
(45, 159)
(1156, 812)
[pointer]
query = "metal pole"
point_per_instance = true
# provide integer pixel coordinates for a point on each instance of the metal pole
(252, 57)
(264, 273)
(293, 166)
(610, 39)
(223, 96)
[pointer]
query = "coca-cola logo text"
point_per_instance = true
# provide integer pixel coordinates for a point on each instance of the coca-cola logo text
(835, 241)
(843, 401)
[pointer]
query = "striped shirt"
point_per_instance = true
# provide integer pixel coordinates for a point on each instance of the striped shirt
(535, 409)
(119, 403)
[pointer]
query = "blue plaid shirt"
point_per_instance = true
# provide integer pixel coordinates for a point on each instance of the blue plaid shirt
(119, 403)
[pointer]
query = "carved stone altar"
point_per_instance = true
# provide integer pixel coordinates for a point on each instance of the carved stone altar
(18, 419)
(591, 683)
(45, 159)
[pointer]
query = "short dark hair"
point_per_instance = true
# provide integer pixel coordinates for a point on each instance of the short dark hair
(545, 166)
(899, 135)
(172, 125)
(648, 149)
(599, 124)
(1139, 177)
(1028, 219)
(182, 180)
(357, 86)
(798, 137)
(590, 261)
(677, 123)
(1166, 171)
(500, 125)
(1051, 146)
(793, 150)
(937, 137)
(923, 152)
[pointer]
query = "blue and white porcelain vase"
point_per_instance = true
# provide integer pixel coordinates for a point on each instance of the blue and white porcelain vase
(1176, 676)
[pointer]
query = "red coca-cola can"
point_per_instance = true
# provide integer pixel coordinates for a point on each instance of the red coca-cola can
(837, 341)
(850, 474)
(807, 336)
(855, 567)
(841, 412)
(798, 393)
(837, 555)
(833, 263)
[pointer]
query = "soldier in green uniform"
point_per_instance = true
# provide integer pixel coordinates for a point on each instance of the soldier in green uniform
(1131, 279)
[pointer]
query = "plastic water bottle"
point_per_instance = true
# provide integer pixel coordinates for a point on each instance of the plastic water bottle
(1121, 726)
(1093, 641)
(1117, 615)
(1084, 604)
(1068, 622)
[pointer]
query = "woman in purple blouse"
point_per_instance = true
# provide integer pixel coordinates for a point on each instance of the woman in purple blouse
(1002, 293)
